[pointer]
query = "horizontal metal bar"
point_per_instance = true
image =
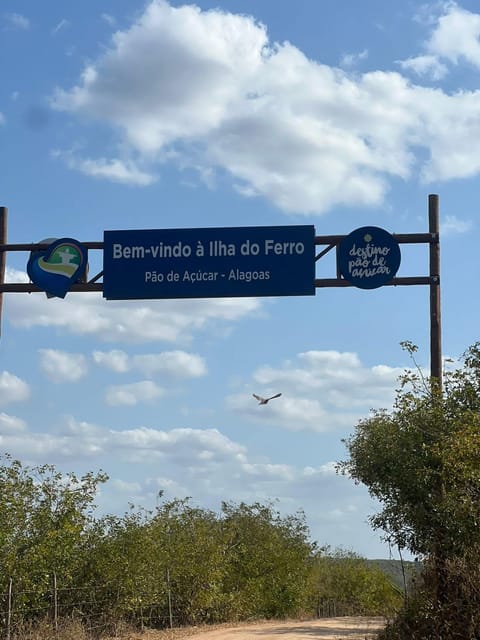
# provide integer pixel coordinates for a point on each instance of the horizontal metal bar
(39, 246)
(28, 287)
(401, 238)
(405, 281)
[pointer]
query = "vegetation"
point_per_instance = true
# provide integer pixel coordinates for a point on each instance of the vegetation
(182, 565)
(421, 460)
(178, 565)
(345, 583)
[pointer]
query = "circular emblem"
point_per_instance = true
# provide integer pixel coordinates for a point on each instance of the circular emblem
(369, 257)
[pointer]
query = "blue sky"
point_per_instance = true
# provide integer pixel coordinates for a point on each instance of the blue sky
(132, 115)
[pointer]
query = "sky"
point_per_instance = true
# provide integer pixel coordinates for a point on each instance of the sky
(122, 115)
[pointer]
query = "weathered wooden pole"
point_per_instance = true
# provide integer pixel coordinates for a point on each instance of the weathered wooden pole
(435, 310)
(439, 551)
(3, 254)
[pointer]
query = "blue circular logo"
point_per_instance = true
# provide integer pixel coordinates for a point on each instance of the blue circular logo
(369, 257)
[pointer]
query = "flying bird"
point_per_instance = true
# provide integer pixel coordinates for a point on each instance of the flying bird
(265, 400)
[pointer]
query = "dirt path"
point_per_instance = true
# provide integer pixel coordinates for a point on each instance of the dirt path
(327, 629)
(347, 628)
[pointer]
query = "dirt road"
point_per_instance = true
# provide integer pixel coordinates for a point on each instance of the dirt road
(327, 629)
(347, 628)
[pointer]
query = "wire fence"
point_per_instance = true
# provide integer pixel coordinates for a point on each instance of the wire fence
(97, 609)
(103, 610)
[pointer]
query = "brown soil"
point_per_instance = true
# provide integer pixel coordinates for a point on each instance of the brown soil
(345, 628)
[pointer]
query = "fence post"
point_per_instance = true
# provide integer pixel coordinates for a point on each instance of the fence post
(9, 608)
(55, 604)
(169, 592)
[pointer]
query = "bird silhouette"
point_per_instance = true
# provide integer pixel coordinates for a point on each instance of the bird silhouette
(265, 400)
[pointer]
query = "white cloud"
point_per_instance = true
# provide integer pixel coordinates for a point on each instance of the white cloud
(425, 65)
(109, 19)
(12, 388)
(61, 366)
(456, 36)
(125, 321)
(13, 275)
(2, 119)
(63, 24)
(17, 21)
(115, 360)
(133, 394)
(131, 492)
(237, 91)
(214, 92)
(184, 447)
(452, 224)
(183, 94)
(178, 364)
(115, 170)
(352, 59)
(451, 125)
(204, 464)
(321, 391)
(11, 424)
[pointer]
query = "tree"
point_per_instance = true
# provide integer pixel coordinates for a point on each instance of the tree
(344, 583)
(422, 462)
(188, 542)
(44, 516)
(267, 560)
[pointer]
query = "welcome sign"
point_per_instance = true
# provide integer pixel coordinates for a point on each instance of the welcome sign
(209, 263)
(369, 257)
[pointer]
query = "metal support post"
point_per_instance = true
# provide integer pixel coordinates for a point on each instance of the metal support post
(435, 310)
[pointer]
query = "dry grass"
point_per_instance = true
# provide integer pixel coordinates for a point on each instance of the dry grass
(75, 630)
(45, 630)
(168, 634)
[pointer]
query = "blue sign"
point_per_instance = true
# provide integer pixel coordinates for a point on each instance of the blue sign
(56, 268)
(369, 257)
(209, 263)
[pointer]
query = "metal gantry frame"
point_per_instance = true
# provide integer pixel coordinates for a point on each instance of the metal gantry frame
(330, 242)
(432, 238)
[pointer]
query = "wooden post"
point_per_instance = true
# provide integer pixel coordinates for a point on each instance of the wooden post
(9, 609)
(440, 585)
(435, 310)
(169, 594)
(55, 604)
(3, 254)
